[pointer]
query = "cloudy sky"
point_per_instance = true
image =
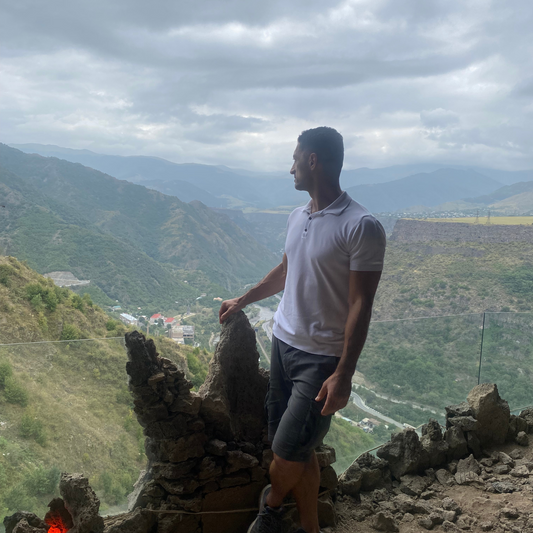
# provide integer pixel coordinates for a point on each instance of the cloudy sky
(234, 82)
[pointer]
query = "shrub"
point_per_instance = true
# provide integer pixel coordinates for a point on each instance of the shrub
(15, 393)
(110, 325)
(32, 428)
(47, 296)
(77, 302)
(5, 372)
(87, 299)
(42, 481)
(70, 332)
(6, 271)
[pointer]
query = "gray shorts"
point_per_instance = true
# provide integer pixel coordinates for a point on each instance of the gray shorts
(295, 425)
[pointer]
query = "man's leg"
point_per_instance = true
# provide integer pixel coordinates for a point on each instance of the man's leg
(303, 479)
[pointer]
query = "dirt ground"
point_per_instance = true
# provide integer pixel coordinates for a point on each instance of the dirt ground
(479, 509)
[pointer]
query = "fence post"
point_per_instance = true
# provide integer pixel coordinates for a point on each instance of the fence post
(481, 350)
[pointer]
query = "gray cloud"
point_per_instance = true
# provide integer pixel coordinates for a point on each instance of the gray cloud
(235, 82)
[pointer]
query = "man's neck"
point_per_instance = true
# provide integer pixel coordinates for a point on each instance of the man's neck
(322, 198)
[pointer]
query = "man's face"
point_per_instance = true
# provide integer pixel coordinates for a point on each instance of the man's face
(300, 169)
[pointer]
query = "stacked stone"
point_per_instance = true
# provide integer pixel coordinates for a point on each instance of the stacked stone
(482, 421)
(207, 451)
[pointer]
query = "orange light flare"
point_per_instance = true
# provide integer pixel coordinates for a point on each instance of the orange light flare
(56, 525)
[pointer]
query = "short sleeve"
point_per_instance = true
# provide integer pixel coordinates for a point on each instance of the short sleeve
(367, 245)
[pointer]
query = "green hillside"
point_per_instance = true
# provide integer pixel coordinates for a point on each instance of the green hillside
(64, 405)
(128, 239)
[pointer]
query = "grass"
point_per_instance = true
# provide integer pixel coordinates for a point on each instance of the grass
(482, 220)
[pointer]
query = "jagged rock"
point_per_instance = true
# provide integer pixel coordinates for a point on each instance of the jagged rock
(515, 454)
(414, 485)
(426, 522)
(58, 515)
(216, 447)
(183, 448)
(505, 459)
(522, 439)
(24, 527)
(82, 504)
(464, 478)
(375, 472)
(469, 465)
(234, 390)
(450, 527)
(172, 471)
(138, 521)
(473, 444)
(445, 478)
(238, 460)
(325, 455)
(188, 404)
(527, 415)
(404, 453)
(433, 443)
(208, 468)
(516, 425)
(460, 410)
(326, 511)
(31, 519)
(136, 498)
(452, 467)
(351, 480)
(457, 445)
(501, 470)
(384, 522)
(464, 423)
(491, 412)
(509, 512)
(520, 471)
(328, 478)
(449, 504)
(504, 487)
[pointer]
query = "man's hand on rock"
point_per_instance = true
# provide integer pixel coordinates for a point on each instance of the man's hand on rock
(336, 389)
(229, 307)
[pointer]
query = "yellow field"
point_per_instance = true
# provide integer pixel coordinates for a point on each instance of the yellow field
(496, 221)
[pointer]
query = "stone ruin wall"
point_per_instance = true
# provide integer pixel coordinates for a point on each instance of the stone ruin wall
(412, 231)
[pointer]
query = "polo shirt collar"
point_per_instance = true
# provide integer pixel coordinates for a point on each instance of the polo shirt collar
(335, 208)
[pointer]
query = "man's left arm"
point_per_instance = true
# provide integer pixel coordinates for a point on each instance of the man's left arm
(337, 388)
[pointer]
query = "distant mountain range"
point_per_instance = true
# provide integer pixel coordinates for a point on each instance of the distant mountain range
(381, 190)
(131, 241)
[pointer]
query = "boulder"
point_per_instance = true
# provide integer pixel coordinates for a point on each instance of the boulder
(384, 522)
(457, 445)
(516, 425)
(459, 410)
(527, 415)
(469, 465)
(522, 439)
(32, 520)
(351, 480)
(491, 412)
(404, 453)
(433, 443)
(24, 527)
(375, 472)
(414, 485)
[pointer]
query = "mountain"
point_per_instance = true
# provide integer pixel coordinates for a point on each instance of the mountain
(503, 193)
(223, 187)
(427, 189)
(519, 204)
(128, 239)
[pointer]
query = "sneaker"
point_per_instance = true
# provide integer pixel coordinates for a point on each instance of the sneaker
(263, 497)
(268, 520)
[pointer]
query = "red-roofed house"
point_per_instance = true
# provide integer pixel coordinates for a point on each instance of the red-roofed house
(156, 317)
(170, 321)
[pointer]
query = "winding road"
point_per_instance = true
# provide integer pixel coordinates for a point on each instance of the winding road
(358, 401)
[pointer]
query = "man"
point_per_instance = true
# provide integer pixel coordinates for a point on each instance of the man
(330, 272)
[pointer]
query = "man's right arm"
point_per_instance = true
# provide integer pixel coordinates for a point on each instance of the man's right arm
(271, 284)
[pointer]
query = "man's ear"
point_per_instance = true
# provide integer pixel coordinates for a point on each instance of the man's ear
(313, 161)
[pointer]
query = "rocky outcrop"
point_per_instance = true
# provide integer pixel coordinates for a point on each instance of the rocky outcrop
(207, 451)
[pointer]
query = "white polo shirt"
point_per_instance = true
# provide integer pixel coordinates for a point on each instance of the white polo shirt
(321, 249)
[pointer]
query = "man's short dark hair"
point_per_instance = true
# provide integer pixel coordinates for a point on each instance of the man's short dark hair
(328, 145)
